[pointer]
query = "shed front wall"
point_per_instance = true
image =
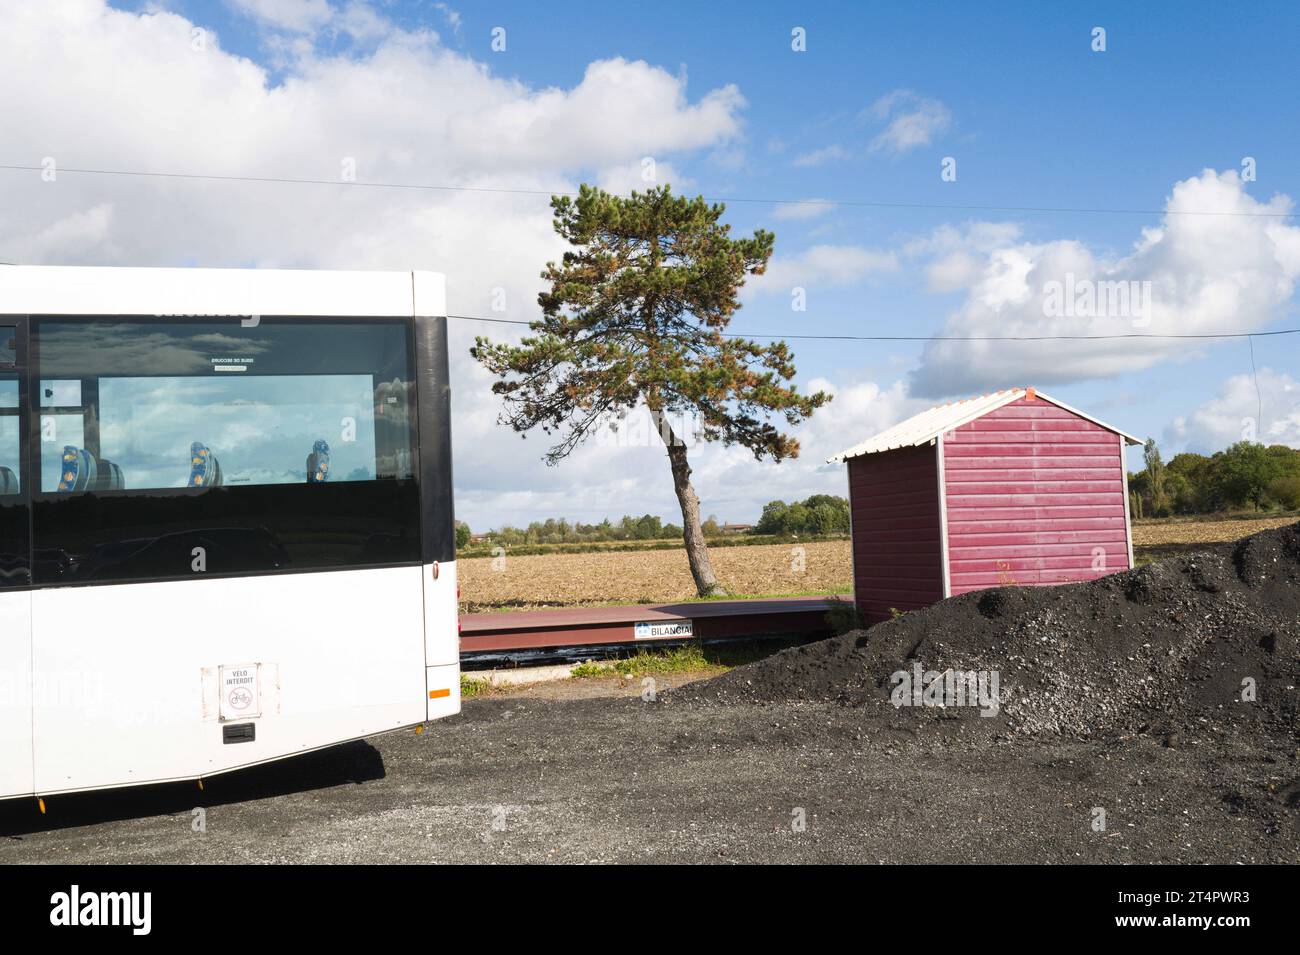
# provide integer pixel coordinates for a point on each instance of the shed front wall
(897, 556)
(1034, 495)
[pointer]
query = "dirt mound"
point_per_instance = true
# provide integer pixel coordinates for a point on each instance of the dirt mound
(1169, 648)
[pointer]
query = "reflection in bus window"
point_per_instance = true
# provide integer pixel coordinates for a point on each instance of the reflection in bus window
(60, 394)
(9, 463)
(261, 430)
(151, 406)
(58, 431)
(8, 454)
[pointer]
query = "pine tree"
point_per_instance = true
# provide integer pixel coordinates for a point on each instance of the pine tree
(636, 314)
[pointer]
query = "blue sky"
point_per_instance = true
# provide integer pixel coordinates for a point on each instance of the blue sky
(1033, 116)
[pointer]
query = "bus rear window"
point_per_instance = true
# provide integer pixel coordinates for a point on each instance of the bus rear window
(267, 446)
(152, 405)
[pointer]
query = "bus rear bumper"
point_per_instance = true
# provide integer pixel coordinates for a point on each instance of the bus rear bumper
(442, 686)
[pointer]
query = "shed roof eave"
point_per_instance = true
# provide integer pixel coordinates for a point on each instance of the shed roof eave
(945, 418)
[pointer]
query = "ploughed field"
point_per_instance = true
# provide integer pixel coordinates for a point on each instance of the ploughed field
(1180, 535)
(651, 576)
(654, 576)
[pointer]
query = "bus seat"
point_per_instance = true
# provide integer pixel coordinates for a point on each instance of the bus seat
(8, 481)
(82, 471)
(318, 463)
(205, 469)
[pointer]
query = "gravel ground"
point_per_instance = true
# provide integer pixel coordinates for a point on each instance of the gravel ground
(619, 780)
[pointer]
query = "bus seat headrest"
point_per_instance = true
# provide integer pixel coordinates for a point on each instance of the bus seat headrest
(318, 463)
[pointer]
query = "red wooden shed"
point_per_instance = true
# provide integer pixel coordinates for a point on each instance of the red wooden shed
(1012, 488)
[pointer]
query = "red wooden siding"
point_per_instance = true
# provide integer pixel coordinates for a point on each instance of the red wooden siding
(1032, 490)
(897, 561)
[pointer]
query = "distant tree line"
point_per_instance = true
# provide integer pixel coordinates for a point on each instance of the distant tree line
(560, 531)
(1245, 475)
(821, 514)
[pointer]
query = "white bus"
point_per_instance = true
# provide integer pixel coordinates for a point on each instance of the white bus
(226, 529)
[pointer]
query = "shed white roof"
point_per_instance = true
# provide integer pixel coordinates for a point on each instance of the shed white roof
(925, 427)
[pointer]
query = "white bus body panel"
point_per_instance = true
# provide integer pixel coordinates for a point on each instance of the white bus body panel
(340, 655)
(15, 693)
(442, 639)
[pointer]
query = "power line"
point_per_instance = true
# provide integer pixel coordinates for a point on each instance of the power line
(434, 187)
(1259, 395)
(953, 338)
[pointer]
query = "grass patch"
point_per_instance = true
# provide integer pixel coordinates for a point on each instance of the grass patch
(691, 657)
(472, 686)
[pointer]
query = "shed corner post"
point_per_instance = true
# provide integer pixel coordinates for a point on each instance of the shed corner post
(853, 541)
(943, 517)
(1128, 519)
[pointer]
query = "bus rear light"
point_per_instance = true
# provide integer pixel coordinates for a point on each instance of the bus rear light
(439, 694)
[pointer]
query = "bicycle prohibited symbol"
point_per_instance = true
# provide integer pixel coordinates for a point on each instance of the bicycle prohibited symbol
(240, 698)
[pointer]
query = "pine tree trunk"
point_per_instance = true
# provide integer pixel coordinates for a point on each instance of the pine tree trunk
(697, 552)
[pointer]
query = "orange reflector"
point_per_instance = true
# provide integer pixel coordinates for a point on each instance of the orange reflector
(439, 694)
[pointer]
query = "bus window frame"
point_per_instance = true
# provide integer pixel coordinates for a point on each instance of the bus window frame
(20, 373)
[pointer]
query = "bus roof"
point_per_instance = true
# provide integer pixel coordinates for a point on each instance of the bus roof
(181, 292)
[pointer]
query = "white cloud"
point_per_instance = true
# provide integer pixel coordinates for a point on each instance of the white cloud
(821, 266)
(1240, 411)
(77, 233)
(819, 157)
(1232, 271)
(913, 121)
(641, 175)
(453, 16)
(957, 253)
(803, 209)
(299, 16)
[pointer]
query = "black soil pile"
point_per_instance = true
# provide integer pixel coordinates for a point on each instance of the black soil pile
(1168, 649)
